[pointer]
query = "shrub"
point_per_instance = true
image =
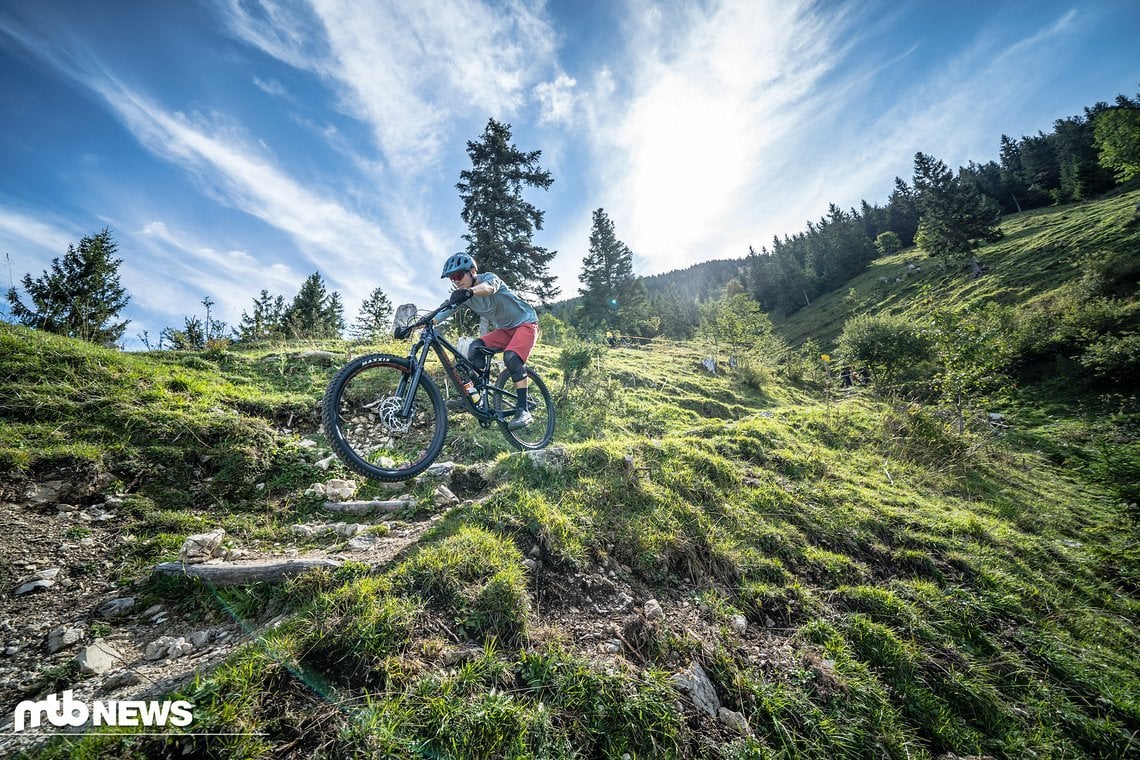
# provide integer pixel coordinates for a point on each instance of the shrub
(892, 347)
(574, 358)
(888, 242)
(1113, 357)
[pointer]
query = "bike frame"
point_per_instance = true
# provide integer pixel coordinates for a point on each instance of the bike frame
(430, 340)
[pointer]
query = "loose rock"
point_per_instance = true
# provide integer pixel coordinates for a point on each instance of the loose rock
(700, 689)
(97, 658)
(733, 720)
(738, 624)
(202, 547)
(116, 607)
(62, 637)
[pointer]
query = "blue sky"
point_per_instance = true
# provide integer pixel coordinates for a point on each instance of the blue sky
(236, 145)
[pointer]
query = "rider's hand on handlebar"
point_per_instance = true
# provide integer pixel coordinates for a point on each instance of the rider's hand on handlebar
(459, 295)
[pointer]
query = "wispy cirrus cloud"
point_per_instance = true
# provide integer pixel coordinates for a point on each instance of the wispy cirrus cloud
(229, 278)
(19, 230)
(331, 236)
(408, 70)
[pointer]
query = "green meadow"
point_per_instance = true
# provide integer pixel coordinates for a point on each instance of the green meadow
(855, 577)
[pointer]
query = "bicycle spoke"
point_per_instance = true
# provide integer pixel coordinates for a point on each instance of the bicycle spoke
(375, 429)
(540, 431)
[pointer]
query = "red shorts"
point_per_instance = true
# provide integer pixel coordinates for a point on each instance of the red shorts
(519, 339)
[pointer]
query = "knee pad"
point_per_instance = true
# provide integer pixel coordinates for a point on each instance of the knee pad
(514, 365)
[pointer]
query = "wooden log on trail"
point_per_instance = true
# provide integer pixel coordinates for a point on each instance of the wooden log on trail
(242, 572)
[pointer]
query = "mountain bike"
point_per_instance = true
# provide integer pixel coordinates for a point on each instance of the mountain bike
(385, 416)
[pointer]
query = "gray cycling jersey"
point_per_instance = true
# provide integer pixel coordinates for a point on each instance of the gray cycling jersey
(503, 308)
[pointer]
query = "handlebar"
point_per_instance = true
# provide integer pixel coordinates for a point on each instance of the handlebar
(404, 331)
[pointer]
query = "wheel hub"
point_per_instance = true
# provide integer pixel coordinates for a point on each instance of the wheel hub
(388, 411)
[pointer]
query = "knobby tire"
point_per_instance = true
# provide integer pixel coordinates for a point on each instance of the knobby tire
(359, 412)
(539, 433)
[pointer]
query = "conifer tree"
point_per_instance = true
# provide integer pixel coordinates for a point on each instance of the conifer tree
(375, 317)
(266, 321)
(955, 216)
(80, 296)
(902, 212)
(605, 270)
(501, 225)
(314, 313)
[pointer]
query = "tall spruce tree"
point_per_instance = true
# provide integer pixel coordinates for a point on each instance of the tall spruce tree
(314, 313)
(902, 212)
(375, 317)
(605, 270)
(80, 296)
(956, 218)
(500, 223)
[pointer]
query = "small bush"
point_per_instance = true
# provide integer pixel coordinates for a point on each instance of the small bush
(893, 348)
(1113, 358)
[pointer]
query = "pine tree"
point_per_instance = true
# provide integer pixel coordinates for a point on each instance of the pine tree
(266, 321)
(605, 270)
(902, 212)
(375, 317)
(1082, 176)
(80, 296)
(955, 216)
(500, 223)
(314, 313)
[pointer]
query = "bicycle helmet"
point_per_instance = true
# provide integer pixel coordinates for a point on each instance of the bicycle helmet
(457, 262)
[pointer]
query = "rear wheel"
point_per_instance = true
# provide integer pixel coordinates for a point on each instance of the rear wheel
(364, 419)
(539, 433)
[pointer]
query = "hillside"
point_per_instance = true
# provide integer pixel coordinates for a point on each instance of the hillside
(749, 564)
(1043, 252)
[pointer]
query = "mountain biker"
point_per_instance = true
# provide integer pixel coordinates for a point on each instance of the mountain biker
(515, 322)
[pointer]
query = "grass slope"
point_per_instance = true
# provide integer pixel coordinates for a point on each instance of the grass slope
(907, 592)
(1041, 253)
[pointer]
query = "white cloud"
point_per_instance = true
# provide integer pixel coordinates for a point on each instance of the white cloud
(556, 100)
(177, 263)
(20, 231)
(408, 69)
(270, 87)
(334, 238)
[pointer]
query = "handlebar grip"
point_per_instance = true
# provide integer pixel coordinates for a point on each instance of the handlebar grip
(403, 332)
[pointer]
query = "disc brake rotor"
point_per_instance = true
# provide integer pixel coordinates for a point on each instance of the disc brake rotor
(388, 411)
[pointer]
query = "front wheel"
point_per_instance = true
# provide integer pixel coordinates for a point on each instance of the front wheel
(371, 424)
(539, 433)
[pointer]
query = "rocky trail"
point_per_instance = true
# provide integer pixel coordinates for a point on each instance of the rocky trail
(65, 624)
